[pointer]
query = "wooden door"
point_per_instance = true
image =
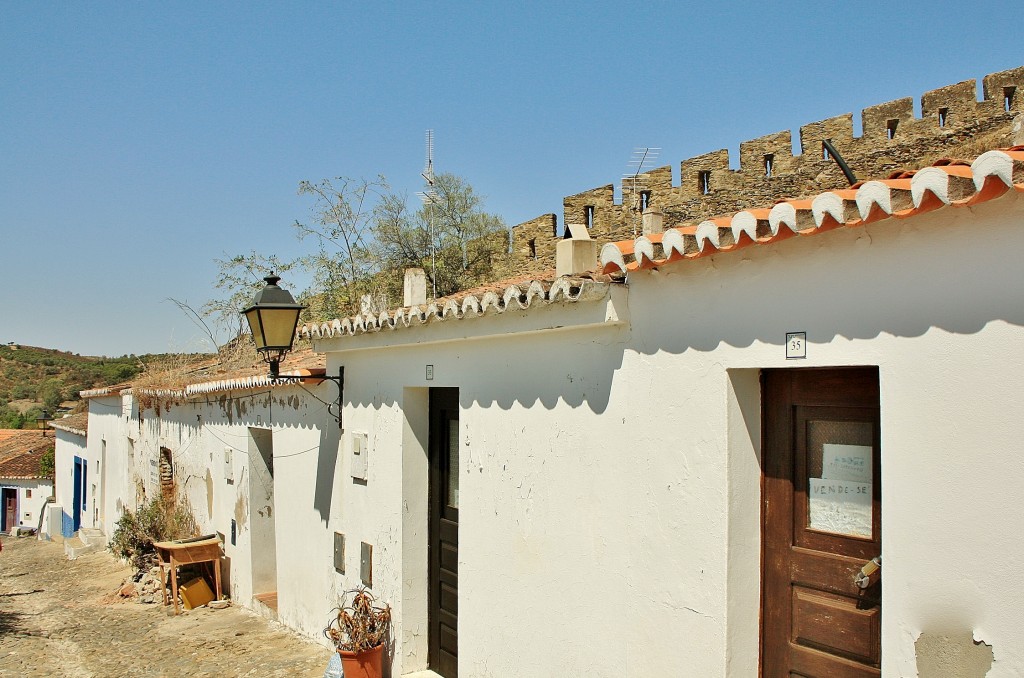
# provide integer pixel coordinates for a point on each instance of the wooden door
(444, 531)
(10, 509)
(821, 523)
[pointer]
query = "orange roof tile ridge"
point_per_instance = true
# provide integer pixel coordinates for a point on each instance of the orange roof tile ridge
(913, 192)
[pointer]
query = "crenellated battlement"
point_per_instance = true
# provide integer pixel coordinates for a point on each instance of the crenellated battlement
(953, 124)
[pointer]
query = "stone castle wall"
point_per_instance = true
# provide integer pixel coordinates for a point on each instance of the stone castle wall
(953, 124)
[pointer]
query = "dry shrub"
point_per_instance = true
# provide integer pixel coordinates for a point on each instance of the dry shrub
(155, 521)
(359, 625)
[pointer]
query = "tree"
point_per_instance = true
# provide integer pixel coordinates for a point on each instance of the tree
(50, 394)
(46, 463)
(239, 277)
(365, 237)
(450, 237)
(342, 218)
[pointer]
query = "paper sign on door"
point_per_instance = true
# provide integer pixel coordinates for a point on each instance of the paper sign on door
(840, 501)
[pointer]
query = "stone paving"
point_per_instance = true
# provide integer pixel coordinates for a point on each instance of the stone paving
(64, 618)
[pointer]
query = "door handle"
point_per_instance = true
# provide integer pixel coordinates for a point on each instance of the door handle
(865, 575)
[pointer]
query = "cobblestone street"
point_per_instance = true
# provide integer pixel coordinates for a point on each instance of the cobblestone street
(64, 618)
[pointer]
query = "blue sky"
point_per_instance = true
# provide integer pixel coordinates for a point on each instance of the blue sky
(139, 141)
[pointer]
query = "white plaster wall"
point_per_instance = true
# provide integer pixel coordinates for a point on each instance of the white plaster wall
(29, 508)
(610, 477)
(106, 425)
(559, 522)
(935, 303)
(66, 448)
(197, 431)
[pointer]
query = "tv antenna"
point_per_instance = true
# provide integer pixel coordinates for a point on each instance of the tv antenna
(642, 161)
(430, 198)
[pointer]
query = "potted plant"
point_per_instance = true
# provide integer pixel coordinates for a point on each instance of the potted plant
(359, 629)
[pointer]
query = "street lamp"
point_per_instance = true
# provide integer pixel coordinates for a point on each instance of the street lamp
(273, 317)
(41, 420)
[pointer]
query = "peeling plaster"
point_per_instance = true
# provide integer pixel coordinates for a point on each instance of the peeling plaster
(209, 494)
(952, 655)
(241, 511)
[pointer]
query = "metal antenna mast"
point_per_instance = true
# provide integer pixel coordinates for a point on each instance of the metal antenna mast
(642, 160)
(430, 198)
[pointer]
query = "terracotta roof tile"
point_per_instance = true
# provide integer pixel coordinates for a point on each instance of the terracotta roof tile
(23, 466)
(209, 376)
(510, 294)
(17, 443)
(75, 423)
(947, 183)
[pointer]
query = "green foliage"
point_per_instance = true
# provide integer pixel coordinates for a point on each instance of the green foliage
(21, 391)
(451, 238)
(239, 278)
(343, 265)
(46, 464)
(11, 418)
(365, 236)
(50, 377)
(155, 521)
(50, 394)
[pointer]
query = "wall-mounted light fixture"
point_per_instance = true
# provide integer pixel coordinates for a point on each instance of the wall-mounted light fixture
(273, 317)
(42, 420)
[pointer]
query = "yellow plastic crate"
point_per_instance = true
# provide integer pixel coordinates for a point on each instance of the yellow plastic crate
(195, 593)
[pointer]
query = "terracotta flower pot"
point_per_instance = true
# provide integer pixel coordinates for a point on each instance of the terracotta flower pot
(362, 664)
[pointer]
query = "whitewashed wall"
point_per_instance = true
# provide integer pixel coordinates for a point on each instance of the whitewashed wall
(66, 447)
(197, 431)
(106, 454)
(29, 507)
(610, 477)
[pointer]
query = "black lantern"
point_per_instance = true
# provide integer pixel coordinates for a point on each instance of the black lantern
(41, 420)
(273, 317)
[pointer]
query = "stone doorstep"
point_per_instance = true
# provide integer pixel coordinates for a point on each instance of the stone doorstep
(92, 536)
(265, 605)
(74, 547)
(421, 674)
(85, 540)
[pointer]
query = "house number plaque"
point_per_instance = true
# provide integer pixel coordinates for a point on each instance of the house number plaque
(796, 345)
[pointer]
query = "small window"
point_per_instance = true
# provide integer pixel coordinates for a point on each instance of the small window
(704, 182)
(769, 162)
(533, 248)
(824, 152)
(890, 128)
(943, 116)
(645, 200)
(166, 467)
(28, 494)
(1009, 97)
(589, 211)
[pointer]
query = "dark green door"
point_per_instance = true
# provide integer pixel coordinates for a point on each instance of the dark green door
(444, 531)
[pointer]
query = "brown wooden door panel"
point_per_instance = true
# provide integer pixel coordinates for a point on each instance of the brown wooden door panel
(827, 571)
(812, 663)
(821, 516)
(836, 624)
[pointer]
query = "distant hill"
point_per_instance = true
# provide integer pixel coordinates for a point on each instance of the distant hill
(49, 377)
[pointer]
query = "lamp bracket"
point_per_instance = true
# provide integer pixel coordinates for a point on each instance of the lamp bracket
(339, 380)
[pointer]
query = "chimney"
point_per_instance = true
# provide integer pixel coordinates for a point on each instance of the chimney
(653, 221)
(577, 253)
(415, 287)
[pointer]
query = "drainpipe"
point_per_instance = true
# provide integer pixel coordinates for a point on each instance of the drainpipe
(827, 143)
